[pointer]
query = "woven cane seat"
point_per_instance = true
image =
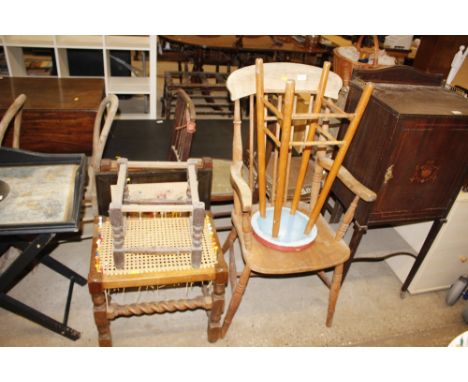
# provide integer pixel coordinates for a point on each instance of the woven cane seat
(156, 232)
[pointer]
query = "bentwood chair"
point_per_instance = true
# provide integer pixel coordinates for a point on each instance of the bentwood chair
(15, 112)
(102, 126)
(274, 90)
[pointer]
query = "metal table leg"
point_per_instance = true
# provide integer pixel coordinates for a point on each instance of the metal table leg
(31, 253)
(34, 315)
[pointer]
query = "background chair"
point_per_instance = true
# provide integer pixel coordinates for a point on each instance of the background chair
(183, 127)
(182, 134)
(328, 251)
(102, 125)
(145, 270)
(15, 111)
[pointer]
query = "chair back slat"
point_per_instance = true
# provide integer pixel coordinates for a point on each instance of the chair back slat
(241, 83)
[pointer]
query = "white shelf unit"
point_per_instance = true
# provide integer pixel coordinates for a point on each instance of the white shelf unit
(13, 48)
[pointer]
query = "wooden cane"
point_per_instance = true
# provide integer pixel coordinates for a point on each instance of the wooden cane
(283, 155)
(260, 136)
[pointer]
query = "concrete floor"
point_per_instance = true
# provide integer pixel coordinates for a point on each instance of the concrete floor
(275, 311)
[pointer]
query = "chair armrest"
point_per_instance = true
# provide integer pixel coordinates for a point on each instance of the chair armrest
(349, 181)
(241, 186)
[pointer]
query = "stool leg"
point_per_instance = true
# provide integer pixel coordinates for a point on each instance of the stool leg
(100, 317)
(334, 291)
(214, 323)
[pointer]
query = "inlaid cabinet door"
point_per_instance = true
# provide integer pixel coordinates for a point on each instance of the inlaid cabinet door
(424, 169)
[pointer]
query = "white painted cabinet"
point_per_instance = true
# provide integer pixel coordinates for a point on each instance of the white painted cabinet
(448, 257)
(132, 85)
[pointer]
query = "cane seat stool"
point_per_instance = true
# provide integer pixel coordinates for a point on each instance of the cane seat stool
(157, 234)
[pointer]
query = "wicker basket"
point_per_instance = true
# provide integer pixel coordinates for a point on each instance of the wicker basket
(343, 66)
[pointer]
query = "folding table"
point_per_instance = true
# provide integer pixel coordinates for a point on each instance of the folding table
(43, 203)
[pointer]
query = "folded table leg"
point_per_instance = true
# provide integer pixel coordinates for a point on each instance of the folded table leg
(29, 255)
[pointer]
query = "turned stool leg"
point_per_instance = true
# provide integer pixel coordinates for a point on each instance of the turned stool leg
(100, 317)
(214, 323)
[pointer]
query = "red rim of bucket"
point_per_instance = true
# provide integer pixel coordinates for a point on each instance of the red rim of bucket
(284, 248)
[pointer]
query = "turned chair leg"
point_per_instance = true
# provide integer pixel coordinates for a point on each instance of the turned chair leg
(214, 322)
(100, 317)
(236, 299)
(334, 291)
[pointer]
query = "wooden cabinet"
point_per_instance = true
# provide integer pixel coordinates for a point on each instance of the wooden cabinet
(143, 84)
(59, 113)
(435, 53)
(412, 149)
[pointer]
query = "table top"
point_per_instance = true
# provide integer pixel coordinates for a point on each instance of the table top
(45, 192)
(254, 43)
(49, 93)
(150, 140)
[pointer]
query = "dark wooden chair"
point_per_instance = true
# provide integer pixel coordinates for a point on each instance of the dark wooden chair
(261, 83)
(183, 130)
(15, 112)
(183, 127)
(149, 270)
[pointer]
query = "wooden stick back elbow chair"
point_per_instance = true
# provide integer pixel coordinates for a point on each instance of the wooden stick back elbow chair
(14, 112)
(276, 89)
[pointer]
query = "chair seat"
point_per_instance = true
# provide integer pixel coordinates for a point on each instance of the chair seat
(325, 252)
(159, 268)
(221, 189)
